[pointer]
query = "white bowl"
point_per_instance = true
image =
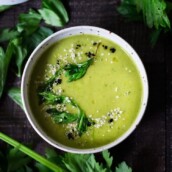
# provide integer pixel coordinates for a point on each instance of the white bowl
(11, 2)
(76, 31)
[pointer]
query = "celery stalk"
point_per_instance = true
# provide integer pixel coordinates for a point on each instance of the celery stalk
(30, 153)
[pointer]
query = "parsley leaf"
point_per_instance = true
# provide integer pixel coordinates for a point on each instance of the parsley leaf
(128, 10)
(2, 70)
(108, 159)
(61, 117)
(123, 167)
(54, 13)
(20, 53)
(153, 12)
(51, 98)
(13, 157)
(26, 35)
(73, 72)
(64, 117)
(8, 34)
(24, 45)
(28, 23)
(31, 42)
(5, 59)
(13, 160)
(50, 17)
(83, 122)
(47, 85)
(17, 161)
(15, 94)
(52, 156)
(83, 163)
(77, 71)
(77, 163)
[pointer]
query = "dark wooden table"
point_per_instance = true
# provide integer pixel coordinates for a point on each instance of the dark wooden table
(149, 148)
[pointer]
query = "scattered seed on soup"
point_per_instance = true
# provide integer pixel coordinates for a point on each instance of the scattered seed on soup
(90, 97)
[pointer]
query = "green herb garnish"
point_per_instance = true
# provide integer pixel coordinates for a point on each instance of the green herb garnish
(8, 34)
(62, 116)
(5, 58)
(123, 167)
(27, 34)
(19, 159)
(48, 97)
(47, 85)
(77, 71)
(28, 23)
(15, 94)
(73, 72)
(83, 123)
(54, 13)
(153, 12)
(43, 161)
(3, 70)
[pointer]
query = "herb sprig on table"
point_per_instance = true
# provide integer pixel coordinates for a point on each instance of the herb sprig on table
(19, 41)
(154, 13)
(20, 158)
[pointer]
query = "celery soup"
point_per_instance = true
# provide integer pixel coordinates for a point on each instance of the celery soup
(85, 91)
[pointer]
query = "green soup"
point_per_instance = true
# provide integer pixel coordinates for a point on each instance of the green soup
(109, 92)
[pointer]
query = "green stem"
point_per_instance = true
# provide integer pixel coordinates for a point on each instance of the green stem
(30, 153)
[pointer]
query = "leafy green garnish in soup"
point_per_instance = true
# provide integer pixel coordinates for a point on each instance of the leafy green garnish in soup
(85, 91)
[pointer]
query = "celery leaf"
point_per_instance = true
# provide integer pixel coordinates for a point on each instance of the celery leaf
(123, 167)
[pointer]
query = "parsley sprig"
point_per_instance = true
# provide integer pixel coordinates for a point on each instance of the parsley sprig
(64, 117)
(72, 71)
(77, 71)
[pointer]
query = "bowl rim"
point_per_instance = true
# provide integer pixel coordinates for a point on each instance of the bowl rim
(138, 64)
(11, 2)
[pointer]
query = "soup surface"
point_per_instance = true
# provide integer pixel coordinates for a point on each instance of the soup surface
(85, 91)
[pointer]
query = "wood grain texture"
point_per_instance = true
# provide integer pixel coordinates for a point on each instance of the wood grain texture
(149, 148)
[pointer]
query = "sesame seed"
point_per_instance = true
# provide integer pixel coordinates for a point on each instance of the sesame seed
(116, 89)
